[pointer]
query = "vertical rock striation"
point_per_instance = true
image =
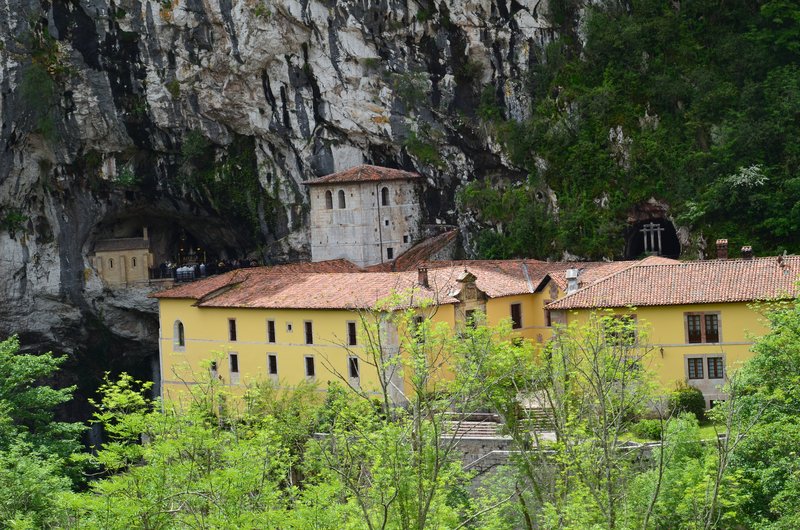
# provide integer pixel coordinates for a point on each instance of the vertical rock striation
(206, 115)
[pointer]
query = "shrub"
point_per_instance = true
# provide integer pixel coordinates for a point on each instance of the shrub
(647, 429)
(687, 398)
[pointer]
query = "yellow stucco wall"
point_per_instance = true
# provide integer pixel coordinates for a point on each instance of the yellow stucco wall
(666, 328)
(206, 336)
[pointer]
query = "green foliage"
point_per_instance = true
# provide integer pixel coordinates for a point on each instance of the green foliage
(768, 457)
(523, 223)
(701, 93)
(423, 150)
(689, 399)
(27, 409)
(13, 221)
(229, 179)
(262, 11)
(647, 429)
(410, 87)
(126, 176)
(32, 486)
(195, 147)
(173, 87)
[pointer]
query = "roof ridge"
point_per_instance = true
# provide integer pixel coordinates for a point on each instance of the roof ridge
(601, 280)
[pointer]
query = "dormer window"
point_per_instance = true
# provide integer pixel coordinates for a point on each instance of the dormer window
(342, 205)
(384, 196)
(328, 200)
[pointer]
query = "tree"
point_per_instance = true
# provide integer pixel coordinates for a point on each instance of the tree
(767, 458)
(35, 449)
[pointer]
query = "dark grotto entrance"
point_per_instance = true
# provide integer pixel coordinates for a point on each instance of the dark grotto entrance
(652, 237)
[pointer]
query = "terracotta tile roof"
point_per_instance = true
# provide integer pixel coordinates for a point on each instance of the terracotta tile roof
(593, 271)
(419, 253)
(364, 173)
(494, 277)
(657, 282)
(201, 288)
(124, 243)
(327, 291)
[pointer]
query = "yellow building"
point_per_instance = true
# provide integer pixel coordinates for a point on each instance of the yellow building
(301, 322)
(701, 314)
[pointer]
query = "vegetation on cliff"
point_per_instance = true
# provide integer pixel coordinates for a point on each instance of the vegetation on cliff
(693, 103)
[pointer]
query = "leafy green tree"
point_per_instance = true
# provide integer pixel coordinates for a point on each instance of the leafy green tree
(35, 448)
(768, 457)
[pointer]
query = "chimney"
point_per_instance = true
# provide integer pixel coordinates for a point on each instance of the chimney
(722, 249)
(747, 252)
(144, 233)
(422, 277)
(572, 280)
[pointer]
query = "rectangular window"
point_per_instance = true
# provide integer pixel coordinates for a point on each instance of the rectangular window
(272, 364)
(715, 368)
(309, 332)
(234, 363)
(405, 239)
(389, 253)
(712, 328)
(310, 369)
(232, 329)
(693, 325)
(351, 334)
(516, 316)
(271, 331)
(695, 367)
(352, 367)
(702, 327)
(548, 318)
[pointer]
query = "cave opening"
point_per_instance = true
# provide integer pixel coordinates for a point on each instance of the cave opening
(652, 237)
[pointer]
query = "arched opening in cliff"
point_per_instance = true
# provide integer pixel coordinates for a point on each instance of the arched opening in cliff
(652, 237)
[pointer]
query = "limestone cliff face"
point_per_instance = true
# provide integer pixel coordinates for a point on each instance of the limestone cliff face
(203, 117)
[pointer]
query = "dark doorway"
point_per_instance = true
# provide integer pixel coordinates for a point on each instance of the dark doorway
(652, 237)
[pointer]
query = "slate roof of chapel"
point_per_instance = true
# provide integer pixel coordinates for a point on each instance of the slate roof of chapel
(364, 173)
(690, 282)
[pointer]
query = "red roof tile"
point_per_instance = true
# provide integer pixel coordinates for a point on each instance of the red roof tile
(364, 173)
(201, 288)
(327, 291)
(658, 282)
